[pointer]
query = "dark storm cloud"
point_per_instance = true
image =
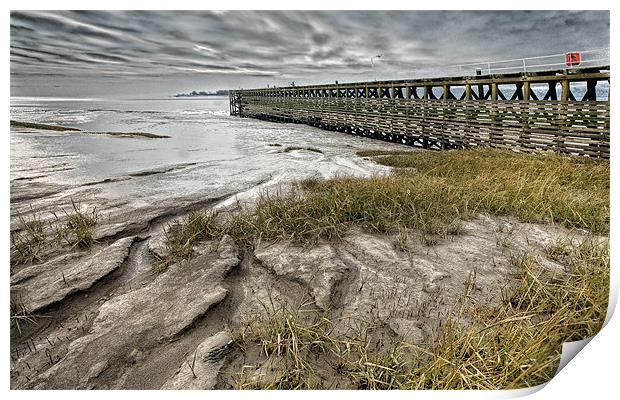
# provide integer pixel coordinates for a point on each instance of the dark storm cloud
(253, 48)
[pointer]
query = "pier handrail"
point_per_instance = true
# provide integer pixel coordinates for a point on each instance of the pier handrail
(601, 57)
(600, 72)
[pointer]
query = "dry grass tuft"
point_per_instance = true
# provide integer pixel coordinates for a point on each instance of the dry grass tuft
(20, 316)
(290, 339)
(76, 229)
(29, 241)
(34, 237)
(560, 250)
(183, 234)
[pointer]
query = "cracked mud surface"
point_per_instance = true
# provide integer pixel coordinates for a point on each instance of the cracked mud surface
(122, 325)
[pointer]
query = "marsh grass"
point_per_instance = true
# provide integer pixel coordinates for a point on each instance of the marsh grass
(541, 188)
(290, 338)
(29, 241)
(76, 229)
(33, 236)
(183, 234)
(321, 209)
(515, 345)
(446, 188)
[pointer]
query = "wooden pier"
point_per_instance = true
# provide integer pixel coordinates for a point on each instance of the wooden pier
(565, 111)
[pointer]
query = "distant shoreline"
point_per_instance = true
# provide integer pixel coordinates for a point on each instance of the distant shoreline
(20, 99)
(203, 94)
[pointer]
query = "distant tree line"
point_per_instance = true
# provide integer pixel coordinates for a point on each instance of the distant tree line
(203, 93)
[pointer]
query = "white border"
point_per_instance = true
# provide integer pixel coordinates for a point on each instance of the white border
(592, 373)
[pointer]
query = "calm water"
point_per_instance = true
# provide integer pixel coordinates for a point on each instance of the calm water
(209, 153)
(200, 131)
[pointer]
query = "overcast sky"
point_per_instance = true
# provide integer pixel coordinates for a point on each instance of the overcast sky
(153, 53)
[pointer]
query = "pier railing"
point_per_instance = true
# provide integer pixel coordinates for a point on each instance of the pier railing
(565, 111)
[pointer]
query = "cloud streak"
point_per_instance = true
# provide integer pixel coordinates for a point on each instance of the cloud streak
(254, 48)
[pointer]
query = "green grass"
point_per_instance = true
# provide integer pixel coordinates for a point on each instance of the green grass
(292, 148)
(517, 344)
(48, 127)
(322, 209)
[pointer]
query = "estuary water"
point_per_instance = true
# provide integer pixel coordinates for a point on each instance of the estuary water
(209, 154)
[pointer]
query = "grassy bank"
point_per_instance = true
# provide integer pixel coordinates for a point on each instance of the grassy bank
(515, 345)
(59, 128)
(546, 188)
(430, 192)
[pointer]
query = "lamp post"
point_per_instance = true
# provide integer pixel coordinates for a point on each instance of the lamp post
(373, 65)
